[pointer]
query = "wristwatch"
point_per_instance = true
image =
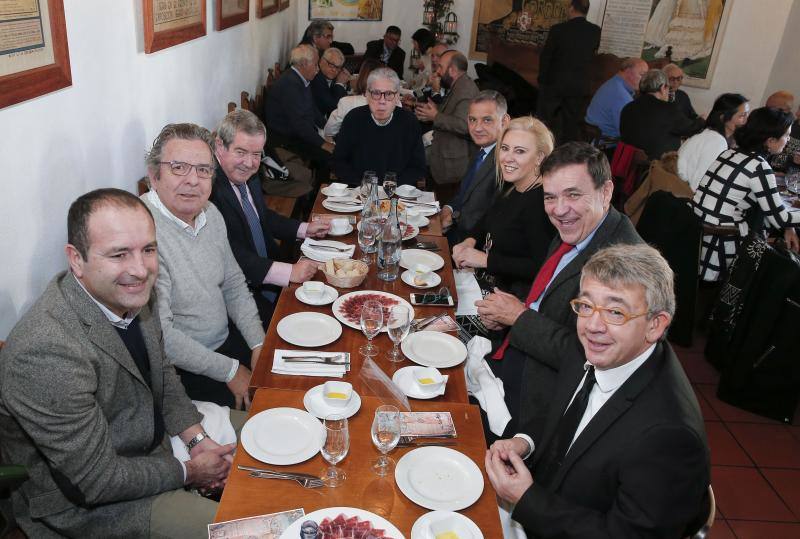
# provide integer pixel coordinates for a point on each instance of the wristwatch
(199, 437)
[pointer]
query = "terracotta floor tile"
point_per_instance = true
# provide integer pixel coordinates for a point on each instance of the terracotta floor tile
(721, 530)
(698, 370)
(763, 530)
(787, 483)
(724, 448)
(705, 408)
(742, 493)
(795, 430)
(768, 445)
(726, 412)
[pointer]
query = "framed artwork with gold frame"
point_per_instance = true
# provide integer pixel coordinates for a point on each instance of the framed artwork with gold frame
(169, 23)
(230, 13)
(265, 8)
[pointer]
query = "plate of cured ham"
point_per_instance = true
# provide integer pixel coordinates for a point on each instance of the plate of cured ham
(347, 307)
(342, 522)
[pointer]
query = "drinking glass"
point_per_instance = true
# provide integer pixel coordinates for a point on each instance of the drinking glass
(385, 435)
(371, 324)
(337, 444)
(366, 183)
(367, 235)
(398, 325)
(390, 183)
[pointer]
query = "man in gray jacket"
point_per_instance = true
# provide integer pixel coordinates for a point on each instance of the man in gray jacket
(212, 332)
(87, 397)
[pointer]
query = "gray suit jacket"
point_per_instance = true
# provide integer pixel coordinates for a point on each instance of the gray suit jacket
(452, 147)
(549, 336)
(76, 412)
(478, 198)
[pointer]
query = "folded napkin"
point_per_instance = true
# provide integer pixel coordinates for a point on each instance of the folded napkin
(325, 254)
(279, 366)
(468, 291)
(485, 386)
(216, 422)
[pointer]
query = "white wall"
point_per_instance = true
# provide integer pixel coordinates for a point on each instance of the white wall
(786, 69)
(94, 133)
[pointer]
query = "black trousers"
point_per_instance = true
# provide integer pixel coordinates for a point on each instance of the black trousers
(562, 114)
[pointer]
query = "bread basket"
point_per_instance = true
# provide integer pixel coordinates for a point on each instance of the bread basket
(345, 281)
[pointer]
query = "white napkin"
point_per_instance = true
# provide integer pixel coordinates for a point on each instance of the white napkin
(427, 138)
(468, 291)
(511, 528)
(279, 366)
(325, 254)
(216, 422)
(485, 386)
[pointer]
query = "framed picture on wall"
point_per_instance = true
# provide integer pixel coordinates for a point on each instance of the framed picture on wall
(231, 12)
(285, 4)
(171, 23)
(34, 57)
(346, 10)
(265, 8)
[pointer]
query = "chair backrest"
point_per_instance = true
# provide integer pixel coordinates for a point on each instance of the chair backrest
(703, 532)
(143, 185)
(231, 106)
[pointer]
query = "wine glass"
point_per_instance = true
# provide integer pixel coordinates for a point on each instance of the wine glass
(398, 325)
(368, 231)
(385, 435)
(337, 444)
(366, 183)
(371, 324)
(390, 183)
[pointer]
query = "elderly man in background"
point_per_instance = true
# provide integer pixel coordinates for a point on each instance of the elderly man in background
(329, 85)
(88, 399)
(388, 50)
(252, 227)
(653, 124)
(291, 114)
(486, 119)
(676, 95)
(451, 149)
(788, 161)
(609, 100)
(380, 136)
(212, 332)
(624, 453)
(577, 186)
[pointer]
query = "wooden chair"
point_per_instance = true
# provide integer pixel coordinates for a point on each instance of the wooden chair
(143, 185)
(231, 106)
(703, 532)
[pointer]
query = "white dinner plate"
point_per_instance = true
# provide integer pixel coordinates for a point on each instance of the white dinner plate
(329, 295)
(434, 349)
(427, 211)
(439, 478)
(459, 524)
(327, 192)
(341, 208)
(317, 406)
(433, 279)
(411, 257)
(347, 230)
(309, 329)
(323, 255)
(338, 311)
(404, 379)
(282, 436)
(377, 521)
(420, 222)
(407, 191)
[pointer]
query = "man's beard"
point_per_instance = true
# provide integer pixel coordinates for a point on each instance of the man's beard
(446, 81)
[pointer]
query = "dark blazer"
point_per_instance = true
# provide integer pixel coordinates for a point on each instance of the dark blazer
(655, 126)
(76, 411)
(548, 336)
(273, 226)
(326, 97)
(566, 56)
(396, 59)
(683, 102)
(289, 109)
(640, 468)
(452, 147)
(472, 205)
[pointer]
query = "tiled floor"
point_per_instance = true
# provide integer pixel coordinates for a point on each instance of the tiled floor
(755, 461)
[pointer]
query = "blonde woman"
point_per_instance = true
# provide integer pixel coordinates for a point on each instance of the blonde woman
(510, 243)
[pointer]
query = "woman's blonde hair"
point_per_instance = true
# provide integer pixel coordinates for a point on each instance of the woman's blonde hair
(544, 141)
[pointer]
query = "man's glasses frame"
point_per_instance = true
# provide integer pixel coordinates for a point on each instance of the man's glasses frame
(179, 168)
(389, 95)
(337, 67)
(610, 315)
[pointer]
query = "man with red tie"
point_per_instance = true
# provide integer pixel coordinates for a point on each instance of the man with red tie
(578, 186)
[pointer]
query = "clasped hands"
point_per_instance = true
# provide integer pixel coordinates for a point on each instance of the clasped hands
(507, 471)
(499, 309)
(465, 255)
(209, 464)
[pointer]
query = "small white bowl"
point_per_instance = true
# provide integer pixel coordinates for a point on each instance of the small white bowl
(406, 190)
(337, 189)
(429, 379)
(450, 524)
(314, 290)
(337, 394)
(339, 226)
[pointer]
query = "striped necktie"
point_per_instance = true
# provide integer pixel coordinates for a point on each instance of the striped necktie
(255, 231)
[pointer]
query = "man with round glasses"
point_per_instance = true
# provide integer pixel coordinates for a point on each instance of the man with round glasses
(380, 136)
(212, 331)
(329, 85)
(624, 451)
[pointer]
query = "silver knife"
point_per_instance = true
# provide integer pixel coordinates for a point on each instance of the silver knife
(276, 472)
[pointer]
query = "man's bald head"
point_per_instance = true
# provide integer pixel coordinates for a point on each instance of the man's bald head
(781, 100)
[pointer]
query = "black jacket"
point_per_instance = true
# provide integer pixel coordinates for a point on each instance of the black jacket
(655, 126)
(566, 56)
(396, 59)
(326, 96)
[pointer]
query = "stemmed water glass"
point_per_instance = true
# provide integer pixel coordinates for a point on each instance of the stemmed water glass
(371, 324)
(368, 231)
(385, 435)
(398, 325)
(337, 444)
(390, 183)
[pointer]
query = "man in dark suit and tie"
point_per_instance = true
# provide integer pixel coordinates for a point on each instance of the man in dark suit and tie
(330, 83)
(388, 50)
(486, 119)
(624, 451)
(577, 186)
(563, 71)
(252, 227)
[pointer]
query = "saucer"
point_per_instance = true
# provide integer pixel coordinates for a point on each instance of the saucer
(419, 223)
(404, 379)
(328, 296)
(433, 279)
(317, 406)
(345, 232)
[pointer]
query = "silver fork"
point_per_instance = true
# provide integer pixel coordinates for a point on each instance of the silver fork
(336, 360)
(329, 247)
(306, 482)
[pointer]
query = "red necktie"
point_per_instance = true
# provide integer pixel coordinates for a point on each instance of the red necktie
(539, 284)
